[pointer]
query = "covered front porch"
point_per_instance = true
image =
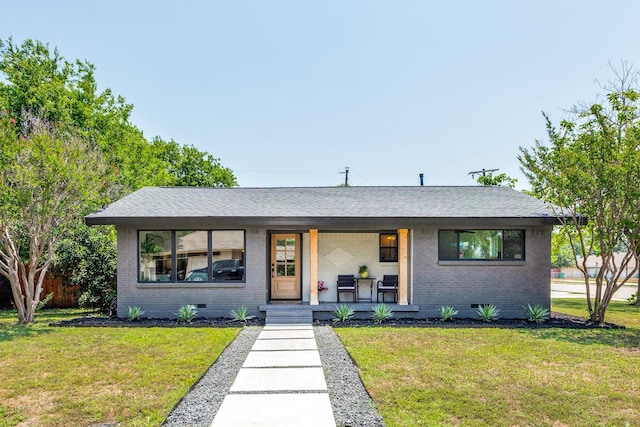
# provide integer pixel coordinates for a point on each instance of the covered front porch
(326, 255)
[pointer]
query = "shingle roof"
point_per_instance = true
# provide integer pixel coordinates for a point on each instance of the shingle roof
(323, 202)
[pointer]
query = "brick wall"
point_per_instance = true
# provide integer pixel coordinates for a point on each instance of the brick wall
(508, 285)
(161, 300)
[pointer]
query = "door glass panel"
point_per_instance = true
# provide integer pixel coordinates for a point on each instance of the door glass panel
(285, 257)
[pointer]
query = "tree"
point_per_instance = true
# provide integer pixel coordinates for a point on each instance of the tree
(590, 173)
(48, 175)
(65, 94)
(87, 258)
(188, 166)
(41, 79)
(561, 250)
(490, 180)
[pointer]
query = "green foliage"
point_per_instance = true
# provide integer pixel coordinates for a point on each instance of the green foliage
(47, 180)
(562, 254)
(502, 179)
(381, 313)
(633, 299)
(37, 78)
(43, 303)
(186, 313)
(68, 149)
(241, 314)
(537, 313)
(591, 170)
(342, 313)
(88, 259)
(188, 166)
(488, 312)
(134, 313)
(447, 313)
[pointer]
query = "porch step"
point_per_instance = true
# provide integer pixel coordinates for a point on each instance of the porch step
(284, 315)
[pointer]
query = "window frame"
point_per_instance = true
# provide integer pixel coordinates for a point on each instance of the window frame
(211, 252)
(502, 258)
(381, 258)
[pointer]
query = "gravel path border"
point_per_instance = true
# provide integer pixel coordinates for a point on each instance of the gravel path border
(198, 407)
(351, 403)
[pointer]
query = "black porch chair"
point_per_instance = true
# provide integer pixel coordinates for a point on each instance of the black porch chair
(346, 284)
(388, 285)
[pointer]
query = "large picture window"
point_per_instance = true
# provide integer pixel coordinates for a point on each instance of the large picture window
(481, 245)
(191, 256)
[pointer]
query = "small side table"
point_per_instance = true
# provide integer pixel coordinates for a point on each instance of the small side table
(371, 280)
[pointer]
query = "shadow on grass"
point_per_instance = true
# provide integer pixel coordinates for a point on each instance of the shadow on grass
(619, 338)
(10, 329)
(11, 332)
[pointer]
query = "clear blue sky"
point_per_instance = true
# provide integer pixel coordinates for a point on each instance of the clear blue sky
(288, 93)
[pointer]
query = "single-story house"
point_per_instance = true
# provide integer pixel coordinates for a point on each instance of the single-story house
(219, 248)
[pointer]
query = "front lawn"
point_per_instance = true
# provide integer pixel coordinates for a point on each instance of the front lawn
(503, 377)
(52, 376)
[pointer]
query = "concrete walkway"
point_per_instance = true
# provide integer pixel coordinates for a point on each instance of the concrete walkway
(281, 383)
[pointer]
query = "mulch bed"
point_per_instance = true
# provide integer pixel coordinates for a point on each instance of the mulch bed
(115, 322)
(557, 320)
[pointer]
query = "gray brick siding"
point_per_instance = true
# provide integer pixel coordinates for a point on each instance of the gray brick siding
(509, 285)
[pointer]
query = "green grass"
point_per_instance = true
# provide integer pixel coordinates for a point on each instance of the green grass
(52, 376)
(503, 377)
(618, 312)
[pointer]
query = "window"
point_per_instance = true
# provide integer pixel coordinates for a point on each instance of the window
(191, 256)
(192, 253)
(155, 256)
(228, 255)
(481, 245)
(388, 247)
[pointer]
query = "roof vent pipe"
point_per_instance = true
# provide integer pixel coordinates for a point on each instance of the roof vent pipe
(421, 179)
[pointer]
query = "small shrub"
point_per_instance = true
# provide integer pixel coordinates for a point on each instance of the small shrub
(187, 313)
(134, 313)
(488, 312)
(537, 313)
(381, 312)
(632, 299)
(241, 314)
(342, 313)
(447, 313)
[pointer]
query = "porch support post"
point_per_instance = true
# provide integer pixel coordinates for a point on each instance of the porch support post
(313, 271)
(403, 267)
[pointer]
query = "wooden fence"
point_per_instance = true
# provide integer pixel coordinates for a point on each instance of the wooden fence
(63, 296)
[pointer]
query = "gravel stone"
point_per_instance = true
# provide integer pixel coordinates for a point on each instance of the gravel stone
(198, 407)
(352, 404)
